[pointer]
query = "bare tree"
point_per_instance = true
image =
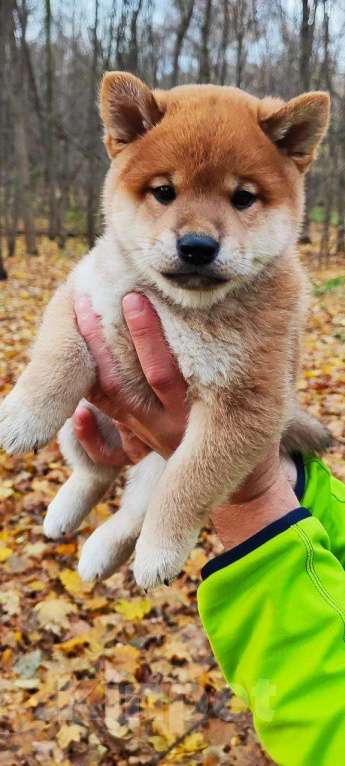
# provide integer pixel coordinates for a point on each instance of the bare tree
(4, 16)
(223, 63)
(241, 18)
(324, 250)
(185, 9)
(93, 133)
(340, 244)
(19, 108)
(49, 148)
(204, 67)
(133, 48)
(306, 41)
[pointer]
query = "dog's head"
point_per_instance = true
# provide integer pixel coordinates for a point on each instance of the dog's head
(206, 183)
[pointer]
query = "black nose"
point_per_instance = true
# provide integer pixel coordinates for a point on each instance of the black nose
(197, 249)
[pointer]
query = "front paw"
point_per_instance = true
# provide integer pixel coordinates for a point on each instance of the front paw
(157, 565)
(104, 552)
(20, 429)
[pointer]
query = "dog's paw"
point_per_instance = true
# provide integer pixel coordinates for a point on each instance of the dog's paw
(20, 429)
(59, 520)
(155, 565)
(104, 552)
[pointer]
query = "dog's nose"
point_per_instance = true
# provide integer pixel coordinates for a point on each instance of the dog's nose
(197, 249)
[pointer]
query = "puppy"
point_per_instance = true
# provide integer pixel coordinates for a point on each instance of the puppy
(203, 203)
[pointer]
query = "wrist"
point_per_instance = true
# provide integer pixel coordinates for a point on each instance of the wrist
(236, 522)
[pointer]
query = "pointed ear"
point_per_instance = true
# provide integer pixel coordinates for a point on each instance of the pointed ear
(128, 109)
(297, 128)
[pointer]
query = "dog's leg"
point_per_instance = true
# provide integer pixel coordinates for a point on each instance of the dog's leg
(88, 482)
(113, 542)
(221, 447)
(60, 373)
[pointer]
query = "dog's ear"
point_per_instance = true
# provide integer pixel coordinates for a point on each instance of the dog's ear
(297, 127)
(128, 109)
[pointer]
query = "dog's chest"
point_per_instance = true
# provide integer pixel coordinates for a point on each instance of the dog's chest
(204, 355)
(207, 352)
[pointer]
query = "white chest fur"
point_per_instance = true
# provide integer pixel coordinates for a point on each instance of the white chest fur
(201, 356)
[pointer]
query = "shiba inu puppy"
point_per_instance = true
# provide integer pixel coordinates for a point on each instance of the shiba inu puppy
(203, 203)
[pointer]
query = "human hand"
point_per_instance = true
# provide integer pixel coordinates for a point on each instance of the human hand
(162, 427)
(265, 496)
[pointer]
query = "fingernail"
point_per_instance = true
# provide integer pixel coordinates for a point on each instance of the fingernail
(133, 304)
(79, 413)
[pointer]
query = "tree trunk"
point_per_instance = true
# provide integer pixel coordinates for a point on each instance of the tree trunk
(239, 60)
(50, 174)
(340, 248)
(12, 216)
(224, 43)
(4, 26)
(133, 58)
(185, 19)
(306, 39)
(19, 109)
(204, 68)
(92, 126)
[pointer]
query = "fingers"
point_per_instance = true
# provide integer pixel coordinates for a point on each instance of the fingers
(130, 450)
(132, 445)
(87, 433)
(156, 360)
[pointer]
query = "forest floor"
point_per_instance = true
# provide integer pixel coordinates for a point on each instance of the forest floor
(99, 674)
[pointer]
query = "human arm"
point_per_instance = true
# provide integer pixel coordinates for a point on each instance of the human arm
(273, 607)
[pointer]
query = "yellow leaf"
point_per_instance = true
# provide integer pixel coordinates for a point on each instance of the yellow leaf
(73, 582)
(36, 585)
(135, 609)
(125, 658)
(6, 492)
(195, 563)
(5, 553)
(96, 603)
(6, 658)
(69, 646)
(160, 744)
(68, 734)
(193, 743)
(66, 549)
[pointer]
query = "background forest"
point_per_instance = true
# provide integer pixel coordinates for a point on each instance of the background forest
(52, 55)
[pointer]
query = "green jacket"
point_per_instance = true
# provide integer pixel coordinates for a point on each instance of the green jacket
(274, 611)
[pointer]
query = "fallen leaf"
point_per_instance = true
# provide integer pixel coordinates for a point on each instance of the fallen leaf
(68, 734)
(135, 609)
(73, 582)
(28, 664)
(53, 614)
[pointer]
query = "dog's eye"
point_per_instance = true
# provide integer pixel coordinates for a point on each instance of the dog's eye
(241, 199)
(164, 194)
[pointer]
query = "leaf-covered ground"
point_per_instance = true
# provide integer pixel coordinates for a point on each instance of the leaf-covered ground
(99, 674)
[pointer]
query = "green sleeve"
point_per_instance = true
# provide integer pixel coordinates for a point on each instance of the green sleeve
(324, 496)
(274, 612)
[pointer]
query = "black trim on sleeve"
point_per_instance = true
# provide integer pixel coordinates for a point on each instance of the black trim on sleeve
(300, 484)
(265, 534)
